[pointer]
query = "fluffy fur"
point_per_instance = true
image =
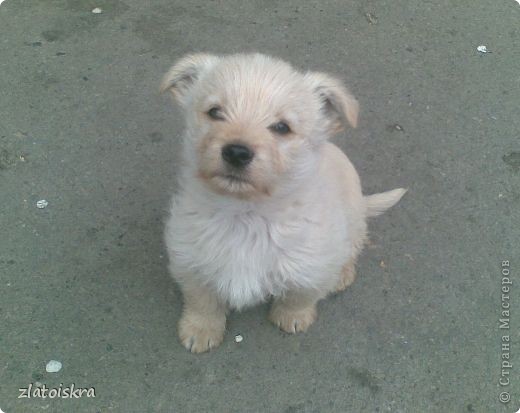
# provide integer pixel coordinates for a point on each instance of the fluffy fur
(291, 224)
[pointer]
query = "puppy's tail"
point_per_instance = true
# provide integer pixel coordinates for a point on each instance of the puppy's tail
(376, 204)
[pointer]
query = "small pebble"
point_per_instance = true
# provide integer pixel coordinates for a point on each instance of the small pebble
(371, 18)
(238, 338)
(97, 10)
(482, 49)
(42, 203)
(53, 366)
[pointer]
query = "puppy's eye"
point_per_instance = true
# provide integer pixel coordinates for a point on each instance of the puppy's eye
(281, 128)
(215, 113)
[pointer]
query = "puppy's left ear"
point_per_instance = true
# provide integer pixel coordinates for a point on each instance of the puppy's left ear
(338, 104)
(183, 75)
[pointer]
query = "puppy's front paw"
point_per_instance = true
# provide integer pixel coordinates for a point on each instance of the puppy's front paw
(290, 320)
(198, 334)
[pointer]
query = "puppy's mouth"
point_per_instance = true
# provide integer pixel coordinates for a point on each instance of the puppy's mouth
(233, 183)
(234, 178)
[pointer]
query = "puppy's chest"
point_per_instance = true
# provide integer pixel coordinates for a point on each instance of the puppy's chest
(246, 257)
(251, 243)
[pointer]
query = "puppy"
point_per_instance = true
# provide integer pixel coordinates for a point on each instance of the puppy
(266, 206)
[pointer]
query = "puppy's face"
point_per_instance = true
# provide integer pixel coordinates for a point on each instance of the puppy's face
(254, 124)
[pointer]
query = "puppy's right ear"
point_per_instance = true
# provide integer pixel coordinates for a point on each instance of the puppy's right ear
(184, 73)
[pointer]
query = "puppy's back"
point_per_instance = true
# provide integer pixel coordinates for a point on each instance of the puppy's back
(338, 170)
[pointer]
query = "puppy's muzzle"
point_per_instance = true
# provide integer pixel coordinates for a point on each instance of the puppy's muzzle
(237, 155)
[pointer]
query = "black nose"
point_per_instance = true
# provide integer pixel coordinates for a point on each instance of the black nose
(237, 155)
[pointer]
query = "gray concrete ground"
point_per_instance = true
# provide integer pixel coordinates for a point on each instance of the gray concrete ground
(84, 281)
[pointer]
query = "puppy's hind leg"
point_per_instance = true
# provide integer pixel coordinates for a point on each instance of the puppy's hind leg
(347, 276)
(348, 272)
(203, 321)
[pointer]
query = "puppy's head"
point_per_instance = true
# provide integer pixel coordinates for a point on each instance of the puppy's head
(254, 124)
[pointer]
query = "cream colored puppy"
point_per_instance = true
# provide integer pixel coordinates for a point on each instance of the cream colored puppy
(266, 207)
